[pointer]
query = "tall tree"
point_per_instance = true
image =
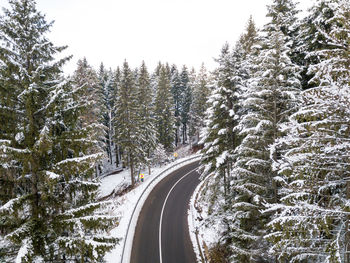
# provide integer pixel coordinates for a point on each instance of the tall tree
(145, 113)
(164, 111)
(270, 96)
(199, 105)
(312, 221)
(127, 129)
(86, 82)
(48, 212)
(177, 96)
(186, 101)
(106, 104)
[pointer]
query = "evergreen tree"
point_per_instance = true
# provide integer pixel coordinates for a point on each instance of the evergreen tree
(164, 111)
(86, 82)
(185, 102)
(48, 213)
(313, 30)
(116, 84)
(127, 128)
(269, 99)
(312, 221)
(145, 113)
(199, 105)
(177, 96)
(106, 104)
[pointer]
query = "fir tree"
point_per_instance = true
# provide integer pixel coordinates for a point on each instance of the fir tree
(177, 96)
(48, 213)
(106, 104)
(145, 113)
(86, 82)
(127, 129)
(164, 111)
(185, 102)
(312, 221)
(199, 105)
(270, 96)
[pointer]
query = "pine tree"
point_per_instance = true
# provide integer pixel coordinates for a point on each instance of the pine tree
(49, 212)
(199, 105)
(164, 111)
(311, 37)
(127, 128)
(145, 113)
(106, 104)
(116, 84)
(270, 96)
(185, 102)
(312, 221)
(177, 96)
(86, 82)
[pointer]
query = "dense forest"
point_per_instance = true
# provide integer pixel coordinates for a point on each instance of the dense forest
(57, 131)
(273, 122)
(276, 142)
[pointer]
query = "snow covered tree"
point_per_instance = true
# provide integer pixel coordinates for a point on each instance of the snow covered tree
(219, 137)
(86, 82)
(177, 96)
(199, 105)
(312, 38)
(127, 128)
(271, 95)
(116, 84)
(312, 223)
(164, 111)
(106, 105)
(186, 101)
(48, 213)
(145, 113)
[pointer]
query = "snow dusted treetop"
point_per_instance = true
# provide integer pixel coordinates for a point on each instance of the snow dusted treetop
(47, 214)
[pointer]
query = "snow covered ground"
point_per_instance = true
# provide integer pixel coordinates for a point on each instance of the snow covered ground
(202, 232)
(124, 204)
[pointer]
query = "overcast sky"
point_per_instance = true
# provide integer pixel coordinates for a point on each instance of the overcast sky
(176, 31)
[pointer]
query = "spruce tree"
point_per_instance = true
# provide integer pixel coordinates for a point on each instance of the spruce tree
(127, 128)
(199, 105)
(86, 82)
(185, 102)
(145, 113)
(312, 221)
(164, 111)
(270, 96)
(49, 211)
(177, 96)
(106, 104)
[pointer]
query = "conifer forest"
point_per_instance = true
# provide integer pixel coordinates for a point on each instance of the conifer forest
(271, 122)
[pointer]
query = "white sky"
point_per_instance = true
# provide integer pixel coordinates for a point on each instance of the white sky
(176, 31)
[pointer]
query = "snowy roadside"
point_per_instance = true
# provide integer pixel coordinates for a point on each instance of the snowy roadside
(203, 233)
(125, 205)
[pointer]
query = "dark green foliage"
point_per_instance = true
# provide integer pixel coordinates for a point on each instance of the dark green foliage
(45, 154)
(164, 111)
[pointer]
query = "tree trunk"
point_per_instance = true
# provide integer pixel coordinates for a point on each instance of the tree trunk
(131, 163)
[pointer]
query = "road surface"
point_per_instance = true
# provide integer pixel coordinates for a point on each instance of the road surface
(167, 203)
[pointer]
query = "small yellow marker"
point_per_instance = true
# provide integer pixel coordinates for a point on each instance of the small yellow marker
(175, 155)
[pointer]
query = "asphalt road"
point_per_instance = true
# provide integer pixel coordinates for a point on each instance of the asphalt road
(169, 199)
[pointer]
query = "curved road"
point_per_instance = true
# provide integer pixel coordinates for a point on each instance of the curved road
(168, 203)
